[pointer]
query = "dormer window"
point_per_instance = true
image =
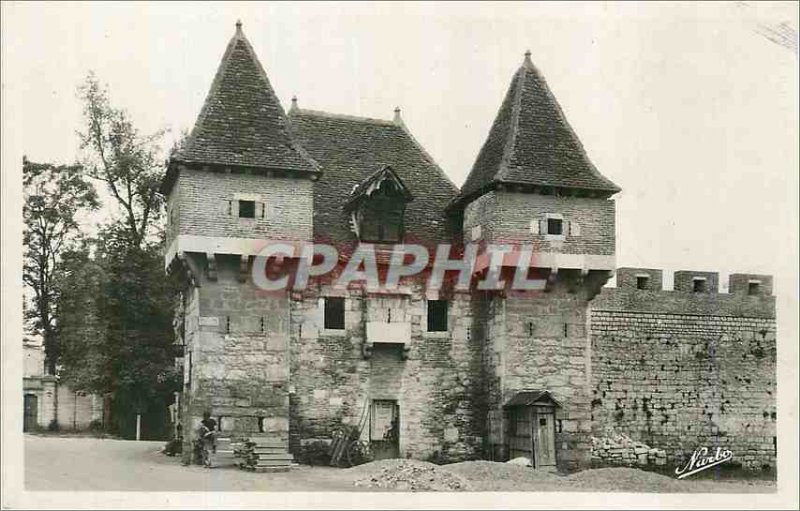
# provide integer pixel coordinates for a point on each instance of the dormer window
(382, 217)
(377, 206)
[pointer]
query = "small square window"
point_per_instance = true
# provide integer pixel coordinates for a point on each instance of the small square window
(334, 313)
(437, 315)
(247, 209)
(753, 288)
(699, 285)
(555, 226)
(641, 282)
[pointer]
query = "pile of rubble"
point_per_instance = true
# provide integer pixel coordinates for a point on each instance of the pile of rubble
(620, 449)
(408, 475)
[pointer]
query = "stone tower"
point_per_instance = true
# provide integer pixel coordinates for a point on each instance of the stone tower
(533, 184)
(239, 179)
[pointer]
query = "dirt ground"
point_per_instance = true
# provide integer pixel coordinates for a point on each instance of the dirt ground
(89, 464)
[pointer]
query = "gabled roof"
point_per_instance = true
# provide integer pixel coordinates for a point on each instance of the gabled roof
(531, 143)
(532, 397)
(349, 151)
(242, 122)
(373, 183)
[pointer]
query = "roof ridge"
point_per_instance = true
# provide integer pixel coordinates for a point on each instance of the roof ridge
(425, 153)
(516, 106)
(215, 84)
(344, 117)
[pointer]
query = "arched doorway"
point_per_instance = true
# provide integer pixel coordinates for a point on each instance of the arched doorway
(31, 416)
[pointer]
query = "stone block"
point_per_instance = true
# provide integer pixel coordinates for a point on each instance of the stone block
(451, 434)
(276, 424)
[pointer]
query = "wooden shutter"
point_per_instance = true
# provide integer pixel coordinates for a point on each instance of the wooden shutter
(535, 226)
(574, 229)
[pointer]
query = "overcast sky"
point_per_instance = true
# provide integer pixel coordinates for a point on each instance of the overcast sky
(691, 108)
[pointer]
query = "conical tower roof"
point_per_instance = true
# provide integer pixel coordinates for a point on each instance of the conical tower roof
(242, 122)
(531, 143)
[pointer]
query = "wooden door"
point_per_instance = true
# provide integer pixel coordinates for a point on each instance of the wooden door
(520, 439)
(544, 438)
(31, 417)
(384, 429)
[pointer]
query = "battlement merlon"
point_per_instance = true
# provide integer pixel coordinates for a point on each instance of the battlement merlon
(690, 281)
(641, 290)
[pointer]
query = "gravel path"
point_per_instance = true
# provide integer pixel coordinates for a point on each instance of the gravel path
(90, 464)
(81, 464)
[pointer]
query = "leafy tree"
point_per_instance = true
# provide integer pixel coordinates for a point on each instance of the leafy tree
(81, 326)
(54, 195)
(117, 316)
(125, 160)
(116, 324)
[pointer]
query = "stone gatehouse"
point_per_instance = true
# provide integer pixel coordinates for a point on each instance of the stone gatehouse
(453, 374)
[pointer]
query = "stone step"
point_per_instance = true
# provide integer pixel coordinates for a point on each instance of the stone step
(272, 469)
(267, 440)
(273, 463)
(269, 450)
(282, 445)
(276, 456)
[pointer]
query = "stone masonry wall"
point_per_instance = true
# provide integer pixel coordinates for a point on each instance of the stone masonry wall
(333, 384)
(236, 364)
(537, 342)
(506, 217)
(208, 205)
(680, 371)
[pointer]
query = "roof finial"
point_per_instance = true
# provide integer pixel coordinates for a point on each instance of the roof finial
(238, 26)
(397, 118)
(294, 103)
(527, 62)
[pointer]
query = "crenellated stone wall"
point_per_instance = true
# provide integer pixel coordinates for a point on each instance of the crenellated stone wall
(680, 370)
(675, 370)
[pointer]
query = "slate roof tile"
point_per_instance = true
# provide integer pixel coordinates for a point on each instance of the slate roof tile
(242, 122)
(531, 143)
(350, 150)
